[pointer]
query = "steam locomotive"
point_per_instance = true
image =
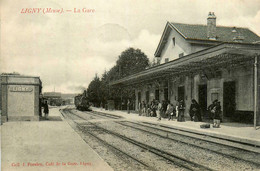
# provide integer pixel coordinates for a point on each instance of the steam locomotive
(81, 102)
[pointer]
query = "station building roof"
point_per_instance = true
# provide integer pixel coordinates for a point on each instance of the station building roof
(197, 34)
(222, 55)
(223, 33)
(16, 78)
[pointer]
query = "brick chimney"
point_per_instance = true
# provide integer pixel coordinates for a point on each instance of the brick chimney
(211, 26)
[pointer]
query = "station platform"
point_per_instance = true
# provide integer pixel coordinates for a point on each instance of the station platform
(237, 132)
(46, 145)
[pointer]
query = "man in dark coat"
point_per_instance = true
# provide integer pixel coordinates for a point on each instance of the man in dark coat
(164, 108)
(154, 108)
(211, 107)
(217, 113)
(195, 111)
(45, 109)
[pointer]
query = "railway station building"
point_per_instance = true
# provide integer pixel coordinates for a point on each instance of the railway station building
(204, 62)
(53, 98)
(20, 97)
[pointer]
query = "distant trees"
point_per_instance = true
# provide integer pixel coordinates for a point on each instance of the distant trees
(93, 91)
(129, 62)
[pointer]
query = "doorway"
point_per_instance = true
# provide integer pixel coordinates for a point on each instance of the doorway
(181, 93)
(166, 96)
(203, 98)
(157, 94)
(229, 99)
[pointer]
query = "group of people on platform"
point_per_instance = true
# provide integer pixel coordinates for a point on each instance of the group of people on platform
(166, 109)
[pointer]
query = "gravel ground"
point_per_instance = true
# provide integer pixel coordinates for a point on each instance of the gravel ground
(243, 155)
(137, 152)
(197, 155)
(116, 161)
(194, 154)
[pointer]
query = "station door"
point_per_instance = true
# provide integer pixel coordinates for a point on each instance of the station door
(166, 96)
(181, 93)
(157, 94)
(203, 98)
(229, 99)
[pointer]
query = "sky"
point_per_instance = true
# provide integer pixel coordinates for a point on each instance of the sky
(67, 49)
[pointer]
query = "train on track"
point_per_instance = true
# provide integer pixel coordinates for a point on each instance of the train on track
(81, 102)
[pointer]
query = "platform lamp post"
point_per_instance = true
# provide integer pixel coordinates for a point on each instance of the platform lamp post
(256, 96)
(121, 98)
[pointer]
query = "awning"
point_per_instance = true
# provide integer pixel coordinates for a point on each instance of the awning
(220, 56)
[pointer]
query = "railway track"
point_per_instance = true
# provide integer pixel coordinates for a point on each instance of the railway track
(230, 146)
(242, 145)
(124, 156)
(117, 150)
(229, 152)
(104, 115)
(165, 134)
(169, 157)
(196, 135)
(209, 147)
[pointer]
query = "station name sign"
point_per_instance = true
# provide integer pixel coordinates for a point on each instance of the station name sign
(21, 89)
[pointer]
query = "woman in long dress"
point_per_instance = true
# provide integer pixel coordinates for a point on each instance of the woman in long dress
(45, 109)
(181, 109)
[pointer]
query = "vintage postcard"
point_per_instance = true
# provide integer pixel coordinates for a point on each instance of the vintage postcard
(130, 85)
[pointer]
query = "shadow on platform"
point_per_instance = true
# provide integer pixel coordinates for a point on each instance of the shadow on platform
(51, 118)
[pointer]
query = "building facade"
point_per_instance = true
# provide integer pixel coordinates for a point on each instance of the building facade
(58, 99)
(20, 97)
(205, 63)
(53, 98)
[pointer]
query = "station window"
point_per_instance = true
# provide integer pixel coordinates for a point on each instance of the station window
(166, 60)
(181, 55)
(173, 41)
